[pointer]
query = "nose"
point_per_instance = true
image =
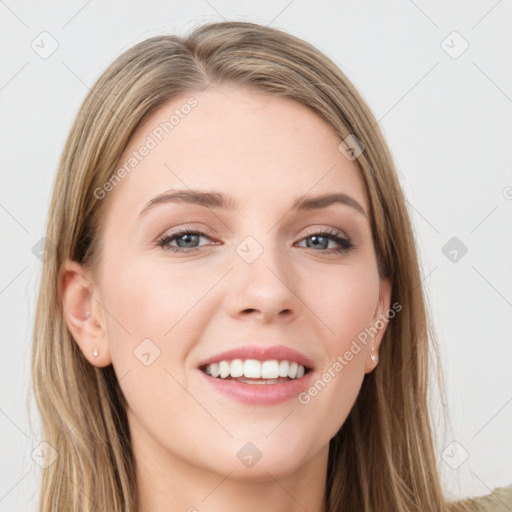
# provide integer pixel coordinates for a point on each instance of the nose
(263, 288)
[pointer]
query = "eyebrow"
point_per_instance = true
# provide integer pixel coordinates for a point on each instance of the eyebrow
(218, 200)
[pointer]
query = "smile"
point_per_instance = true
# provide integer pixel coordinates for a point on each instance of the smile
(252, 371)
(257, 374)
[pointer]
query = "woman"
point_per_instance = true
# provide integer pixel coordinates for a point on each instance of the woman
(233, 315)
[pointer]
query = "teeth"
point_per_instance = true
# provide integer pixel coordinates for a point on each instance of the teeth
(237, 368)
(283, 368)
(214, 370)
(224, 368)
(253, 369)
(270, 369)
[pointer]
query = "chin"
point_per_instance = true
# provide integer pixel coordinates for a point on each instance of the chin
(261, 460)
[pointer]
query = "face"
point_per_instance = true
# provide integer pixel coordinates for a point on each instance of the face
(256, 275)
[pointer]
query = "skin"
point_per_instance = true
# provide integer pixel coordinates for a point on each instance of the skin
(264, 151)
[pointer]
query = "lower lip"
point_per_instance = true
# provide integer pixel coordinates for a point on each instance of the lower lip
(260, 394)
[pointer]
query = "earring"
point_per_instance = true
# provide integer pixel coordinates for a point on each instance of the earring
(95, 352)
(373, 356)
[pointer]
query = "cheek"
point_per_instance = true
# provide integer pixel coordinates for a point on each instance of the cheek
(147, 341)
(346, 306)
(148, 299)
(345, 302)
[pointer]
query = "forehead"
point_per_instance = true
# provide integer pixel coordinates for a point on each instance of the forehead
(254, 146)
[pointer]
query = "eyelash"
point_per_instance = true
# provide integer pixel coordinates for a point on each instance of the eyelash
(344, 243)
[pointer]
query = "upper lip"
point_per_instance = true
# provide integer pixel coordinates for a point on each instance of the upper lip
(261, 353)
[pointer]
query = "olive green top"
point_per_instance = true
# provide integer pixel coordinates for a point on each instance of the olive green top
(499, 500)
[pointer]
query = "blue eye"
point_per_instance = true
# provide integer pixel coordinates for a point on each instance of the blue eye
(188, 239)
(321, 240)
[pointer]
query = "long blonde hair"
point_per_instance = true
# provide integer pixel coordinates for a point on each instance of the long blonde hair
(383, 457)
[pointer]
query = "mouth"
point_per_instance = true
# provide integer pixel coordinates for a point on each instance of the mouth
(239, 373)
(253, 371)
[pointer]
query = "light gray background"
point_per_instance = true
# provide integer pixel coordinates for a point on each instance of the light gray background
(447, 121)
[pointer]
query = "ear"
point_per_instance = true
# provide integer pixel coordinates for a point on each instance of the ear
(83, 313)
(380, 322)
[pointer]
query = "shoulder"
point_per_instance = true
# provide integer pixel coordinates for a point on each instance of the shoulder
(499, 500)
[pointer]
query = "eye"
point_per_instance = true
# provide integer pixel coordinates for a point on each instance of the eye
(321, 239)
(186, 240)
